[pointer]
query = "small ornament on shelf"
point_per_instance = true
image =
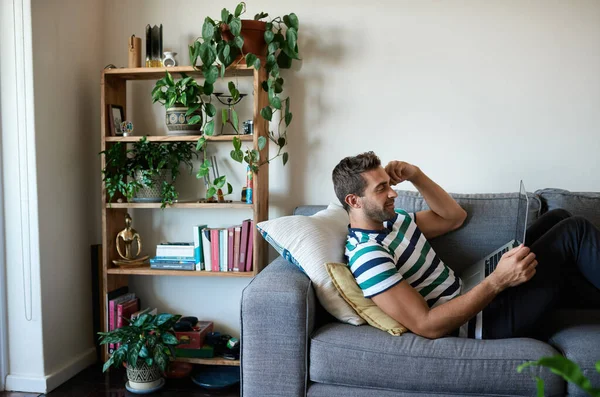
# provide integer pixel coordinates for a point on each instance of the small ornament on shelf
(129, 236)
(127, 128)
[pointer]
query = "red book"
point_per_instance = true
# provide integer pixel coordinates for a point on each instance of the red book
(244, 244)
(237, 235)
(249, 258)
(214, 246)
(112, 314)
(125, 310)
(230, 249)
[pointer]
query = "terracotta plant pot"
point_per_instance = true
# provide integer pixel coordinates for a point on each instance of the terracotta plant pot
(253, 33)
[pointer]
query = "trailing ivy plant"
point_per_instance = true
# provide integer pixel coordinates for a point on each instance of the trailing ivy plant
(188, 93)
(148, 338)
(149, 159)
(565, 368)
(281, 37)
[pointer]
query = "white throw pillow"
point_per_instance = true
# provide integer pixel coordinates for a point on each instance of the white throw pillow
(310, 242)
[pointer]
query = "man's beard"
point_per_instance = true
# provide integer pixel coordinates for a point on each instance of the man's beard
(379, 214)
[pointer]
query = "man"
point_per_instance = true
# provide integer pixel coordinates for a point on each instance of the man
(392, 261)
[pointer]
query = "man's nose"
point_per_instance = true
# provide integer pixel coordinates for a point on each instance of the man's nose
(392, 193)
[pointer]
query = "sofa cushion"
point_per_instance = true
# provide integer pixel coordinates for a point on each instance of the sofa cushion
(345, 283)
(309, 242)
(586, 204)
(367, 357)
(581, 344)
(490, 223)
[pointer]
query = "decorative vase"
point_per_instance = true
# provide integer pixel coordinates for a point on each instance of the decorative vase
(144, 378)
(177, 121)
(151, 194)
(253, 33)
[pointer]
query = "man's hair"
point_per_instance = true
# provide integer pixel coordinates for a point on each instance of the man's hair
(347, 178)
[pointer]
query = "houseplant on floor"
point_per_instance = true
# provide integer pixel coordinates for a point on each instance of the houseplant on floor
(147, 172)
(225, 40)
(185, 105)
(145, 347)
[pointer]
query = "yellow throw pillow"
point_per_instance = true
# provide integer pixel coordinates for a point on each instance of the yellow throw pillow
(345, 283)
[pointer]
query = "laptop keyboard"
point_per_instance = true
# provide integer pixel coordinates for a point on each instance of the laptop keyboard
(492, 262)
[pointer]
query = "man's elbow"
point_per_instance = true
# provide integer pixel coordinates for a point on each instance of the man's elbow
(427, 331)
(460, 219)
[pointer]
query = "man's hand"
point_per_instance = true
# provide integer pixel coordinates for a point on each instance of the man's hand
(400, 171)
(515, 267)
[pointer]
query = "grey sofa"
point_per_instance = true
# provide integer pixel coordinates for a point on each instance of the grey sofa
(291, 347)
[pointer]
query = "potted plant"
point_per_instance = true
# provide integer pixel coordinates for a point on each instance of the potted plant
(226, 40)
(147, 172)
(145, 347)
(184, 105)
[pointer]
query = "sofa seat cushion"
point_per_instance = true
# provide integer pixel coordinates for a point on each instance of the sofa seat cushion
(364, 356)
(580, 344)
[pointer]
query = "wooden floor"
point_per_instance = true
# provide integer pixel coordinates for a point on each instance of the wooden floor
(92, 382)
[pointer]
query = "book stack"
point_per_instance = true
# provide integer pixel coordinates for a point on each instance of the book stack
(121, 305)
(213, 250)
(228, 249)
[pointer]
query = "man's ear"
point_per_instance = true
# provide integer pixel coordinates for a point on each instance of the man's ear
(353, 201)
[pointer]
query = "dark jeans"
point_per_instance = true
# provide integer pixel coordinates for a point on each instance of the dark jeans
(567, 249)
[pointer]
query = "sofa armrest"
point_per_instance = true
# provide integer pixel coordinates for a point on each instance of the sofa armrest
(277, 319)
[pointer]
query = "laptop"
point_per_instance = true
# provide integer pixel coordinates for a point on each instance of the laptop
(475, 273)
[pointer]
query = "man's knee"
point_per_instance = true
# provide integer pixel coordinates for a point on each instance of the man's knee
(560, 213)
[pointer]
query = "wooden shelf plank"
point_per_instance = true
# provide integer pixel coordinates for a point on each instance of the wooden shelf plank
(146, 271)
(233, 205)
(183, 138)
(239, 69)
(209, 361)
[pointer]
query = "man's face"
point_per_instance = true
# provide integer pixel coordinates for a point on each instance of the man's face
(378, 200)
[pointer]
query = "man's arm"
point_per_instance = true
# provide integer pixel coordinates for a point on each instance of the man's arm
(444, 215)
(404, 304)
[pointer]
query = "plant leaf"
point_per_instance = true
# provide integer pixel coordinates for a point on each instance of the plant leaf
(200, 143)
(211, 192)
(108, 363)
(285, 158)
(224, 115)
(208, 88)
(208, 29)
(269, 36)
(144, 352)
(224, 15)
(209, 128)
(281, 142)
(250, 59)
(239, 9)
(266, 113)
(235, 120)
(236, 26)
(288, 119)
(262, 141)
(133, 353)
(229, 188)
(195, 119)
(211, 74)
(162, 319)
(239, 42)
(237, 143)
(540, 386)
(169, 339)
(210, 109)
(169, 79)
(192, 109)
(294, 22)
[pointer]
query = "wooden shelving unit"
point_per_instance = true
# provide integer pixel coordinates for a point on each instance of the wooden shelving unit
(208, 361)
(114, 91)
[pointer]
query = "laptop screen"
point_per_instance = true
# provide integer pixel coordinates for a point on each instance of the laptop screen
(521, 226)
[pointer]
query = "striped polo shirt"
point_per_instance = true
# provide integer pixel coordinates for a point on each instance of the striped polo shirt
(380, 259)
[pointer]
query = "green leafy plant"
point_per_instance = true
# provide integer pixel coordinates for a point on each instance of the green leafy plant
(204, 171)
(185, 92)
(149, 159)
(281, 37)
(148, 338)
(565, 368)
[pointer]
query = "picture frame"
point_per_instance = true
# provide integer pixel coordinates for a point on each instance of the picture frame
(116, 115)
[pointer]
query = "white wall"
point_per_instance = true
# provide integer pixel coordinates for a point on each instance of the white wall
(478, 94)
(65, 105)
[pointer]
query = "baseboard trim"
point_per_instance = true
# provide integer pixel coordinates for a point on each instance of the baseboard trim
(45, 384)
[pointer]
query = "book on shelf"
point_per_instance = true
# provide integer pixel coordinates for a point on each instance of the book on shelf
(214, 247)
(175, 258)
(249, 259)
(112, 313)
(244, 244)
(147, 310)
(198, 254)
(124, 312)
(223, 250)
(173, 261)
(230, 248)
(172, 266)
(237, 231)
(206, 249)
(175, 249)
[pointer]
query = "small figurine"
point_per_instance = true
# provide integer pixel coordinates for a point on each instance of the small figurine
(130, 237)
